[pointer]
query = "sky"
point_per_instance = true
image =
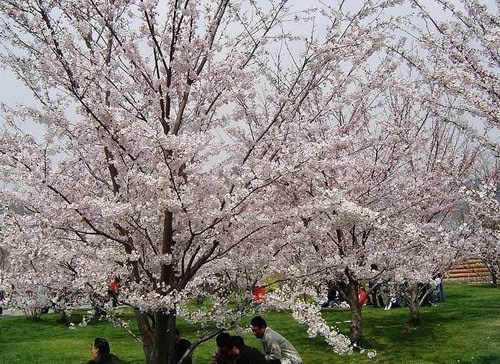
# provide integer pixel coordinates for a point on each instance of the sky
(13, 91)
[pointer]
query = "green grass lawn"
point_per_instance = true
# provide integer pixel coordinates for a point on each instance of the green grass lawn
(465, 329)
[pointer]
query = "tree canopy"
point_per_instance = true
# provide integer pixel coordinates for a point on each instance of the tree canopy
(194, 148)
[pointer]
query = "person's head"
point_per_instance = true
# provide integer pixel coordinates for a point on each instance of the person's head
(223, 341)
(237, 344)
(100, 347)
(258, 326)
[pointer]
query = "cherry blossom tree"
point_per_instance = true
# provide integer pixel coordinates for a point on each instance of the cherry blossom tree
(456, 49)
(361, 160)
(136, 174)
(168, 126)
(481, 220)
(384, 200)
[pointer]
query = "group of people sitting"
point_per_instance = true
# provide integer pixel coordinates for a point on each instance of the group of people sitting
(277, 349)
(383, 294)
(230, 349)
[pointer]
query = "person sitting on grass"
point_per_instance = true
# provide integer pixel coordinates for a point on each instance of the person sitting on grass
(222, 354)
(101, 353)
(278, 349)
(181, 347)
(245, 354)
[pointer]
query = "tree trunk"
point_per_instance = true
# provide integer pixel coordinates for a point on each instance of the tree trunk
(146, 331)
(63, 317)
(414, 301)
(158, 329)
(158, 337)
(355, 306)
(164, 338)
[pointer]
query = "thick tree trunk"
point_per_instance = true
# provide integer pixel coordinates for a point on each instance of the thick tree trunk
(158, 338)
(355, 306)
(164, 339)
(414, 303)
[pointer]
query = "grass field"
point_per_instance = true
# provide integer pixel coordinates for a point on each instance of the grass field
(465, 329)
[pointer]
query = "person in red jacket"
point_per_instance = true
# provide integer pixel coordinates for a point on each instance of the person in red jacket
(113, 290)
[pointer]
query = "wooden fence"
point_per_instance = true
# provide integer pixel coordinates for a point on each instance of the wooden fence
(472, 270)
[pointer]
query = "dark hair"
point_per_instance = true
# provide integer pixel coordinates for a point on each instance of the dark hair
(258, 321)
(223, 340)
(102, 345)
(237, 342)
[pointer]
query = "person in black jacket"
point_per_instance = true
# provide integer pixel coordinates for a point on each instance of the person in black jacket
(101, 353)
(245, 354)
(181, 346)
(222, 354)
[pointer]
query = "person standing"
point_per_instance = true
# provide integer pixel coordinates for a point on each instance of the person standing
(278, 349)
(2, 296)
(113, 289)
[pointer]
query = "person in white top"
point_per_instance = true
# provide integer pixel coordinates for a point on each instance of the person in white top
(278, 350)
